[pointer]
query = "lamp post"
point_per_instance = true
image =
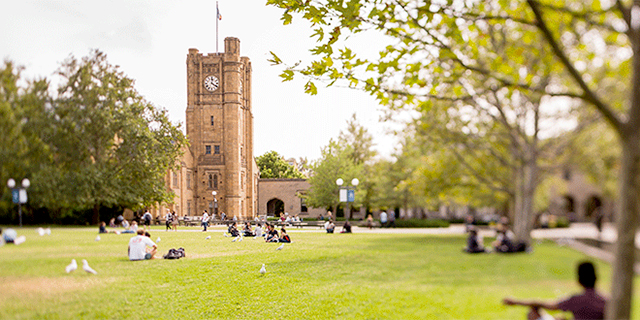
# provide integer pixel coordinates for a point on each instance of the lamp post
(215, 203)
(348, 193)
(19, 195)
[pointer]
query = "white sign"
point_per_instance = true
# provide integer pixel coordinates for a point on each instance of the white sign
(23, 196)
(343, 195)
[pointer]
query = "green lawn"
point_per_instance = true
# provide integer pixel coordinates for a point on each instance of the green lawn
(363, 276)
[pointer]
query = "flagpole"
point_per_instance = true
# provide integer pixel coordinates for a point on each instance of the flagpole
(217, 26)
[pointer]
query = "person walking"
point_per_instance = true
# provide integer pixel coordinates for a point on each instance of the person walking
(167, 220)
(205, 220)
(146, 220)
(383, 219)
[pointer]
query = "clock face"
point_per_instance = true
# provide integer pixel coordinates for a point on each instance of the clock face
(211, 83)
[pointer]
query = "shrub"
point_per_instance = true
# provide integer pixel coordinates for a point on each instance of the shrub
(421, 223)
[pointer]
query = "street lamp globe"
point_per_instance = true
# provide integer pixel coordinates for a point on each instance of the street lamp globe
(26, 183)
(11, 183)
(355, 182)
(339, 181)
(214, 193)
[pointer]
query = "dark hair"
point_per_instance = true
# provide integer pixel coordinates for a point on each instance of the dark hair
(587, 275)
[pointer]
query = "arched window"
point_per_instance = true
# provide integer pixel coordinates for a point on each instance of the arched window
(215, 181)
(211, 180)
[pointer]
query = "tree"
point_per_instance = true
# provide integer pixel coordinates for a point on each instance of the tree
(348, 157)
(24, 123)
(111, 145)
(273, 166)
(589, 46)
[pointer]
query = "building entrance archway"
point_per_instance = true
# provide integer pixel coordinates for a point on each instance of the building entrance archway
(275, 207)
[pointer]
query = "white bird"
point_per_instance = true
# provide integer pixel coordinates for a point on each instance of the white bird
(47, 231)
(71, 267)
(158, 240)
(40, 231)
(98, 238)
(263, 270)
(85, 267)
(207, 238)
(235, 239)
(19, 240)
(280, 247)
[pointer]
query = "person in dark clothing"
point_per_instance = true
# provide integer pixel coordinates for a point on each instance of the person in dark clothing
(587, 305)
(473, 242)
(346, 228)
(284, 237)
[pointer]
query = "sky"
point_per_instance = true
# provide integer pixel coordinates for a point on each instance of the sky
(150, 40)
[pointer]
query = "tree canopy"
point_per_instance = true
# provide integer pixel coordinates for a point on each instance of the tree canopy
(97, 143)
(273, 166)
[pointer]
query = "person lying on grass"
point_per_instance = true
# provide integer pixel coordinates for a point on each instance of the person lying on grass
(138, 245)
(587, 305)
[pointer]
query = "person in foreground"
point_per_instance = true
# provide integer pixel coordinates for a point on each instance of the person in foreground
(138, 245)
(587, 305)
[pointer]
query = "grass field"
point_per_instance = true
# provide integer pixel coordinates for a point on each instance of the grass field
(362, 276)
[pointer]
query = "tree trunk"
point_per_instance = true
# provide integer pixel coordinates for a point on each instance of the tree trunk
(525, 187)
(619, 307)
(95, 218)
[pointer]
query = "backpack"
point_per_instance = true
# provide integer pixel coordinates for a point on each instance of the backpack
(175, 254)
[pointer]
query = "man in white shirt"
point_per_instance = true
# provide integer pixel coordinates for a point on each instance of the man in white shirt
(383, 219)
(205, 220)
(138, 245)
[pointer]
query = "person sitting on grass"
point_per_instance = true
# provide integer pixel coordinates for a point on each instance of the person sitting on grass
(258, 231)
(247, 230)
(103, 228)
(272, 234)
(346, 228)
(474, 242)
(137, 247)
(232, 230)
(505, 241)
(587, 305)
(329, 226)
(284, 237)
(129, 228)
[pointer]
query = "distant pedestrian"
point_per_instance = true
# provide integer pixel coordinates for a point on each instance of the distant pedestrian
(174, 221)
(168, 217)
(392, 219)
(587, 305)
(370, 221)
(383, 219)
(146, 219)
(205, 220)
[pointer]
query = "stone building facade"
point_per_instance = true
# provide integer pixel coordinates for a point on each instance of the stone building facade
(277, 196)
(218, 171)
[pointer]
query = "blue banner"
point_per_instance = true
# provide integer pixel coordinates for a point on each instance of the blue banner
(15, 195)
(351, 195)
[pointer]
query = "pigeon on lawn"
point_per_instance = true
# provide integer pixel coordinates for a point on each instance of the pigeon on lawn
(19, 240)
(280, 247)
(71, 267)
(98, 238)
(207, 238)
(158, 240)
(40, 231)
(263, 270)
(85, 267)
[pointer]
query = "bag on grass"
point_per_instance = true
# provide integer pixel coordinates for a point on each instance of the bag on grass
(175, 254)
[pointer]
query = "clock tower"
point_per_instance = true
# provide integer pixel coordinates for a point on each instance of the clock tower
(220, 131)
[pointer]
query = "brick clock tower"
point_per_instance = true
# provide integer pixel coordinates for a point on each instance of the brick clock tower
(220, 131)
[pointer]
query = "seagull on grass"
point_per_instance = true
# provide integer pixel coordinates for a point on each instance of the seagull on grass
(207, 238)
(85, 267)
(263, 270)
(40, 231)
(47, 231)
(98, 238)
(280, 247)
(71, 267)
(158, 240)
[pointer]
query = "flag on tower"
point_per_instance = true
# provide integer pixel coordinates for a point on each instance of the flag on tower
(219, 16)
